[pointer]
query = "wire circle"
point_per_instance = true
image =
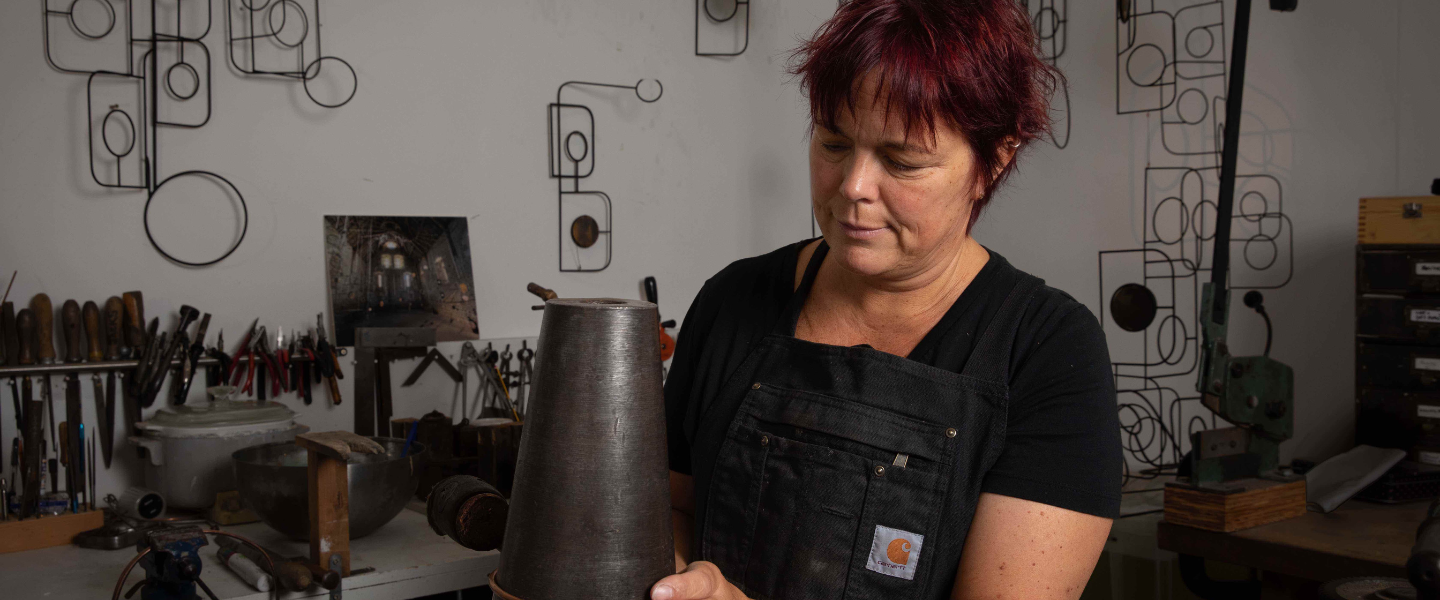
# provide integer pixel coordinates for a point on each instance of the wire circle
(657, 96)
(1274, 250)
(1192, 41)
(285, 19)
(244, 223)
(129, 126)
(252, 7)
(109, 11)
(1199, 220)
(1047, 27)
(1186, 109)
(734, 9)
(1254, 217)
(584, 146)
(1182, 215)
(188, 70)
(1172, 332)
(315, 65)
(1131, 65)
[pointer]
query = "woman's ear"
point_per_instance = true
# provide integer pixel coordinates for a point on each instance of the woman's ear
(1008, 147)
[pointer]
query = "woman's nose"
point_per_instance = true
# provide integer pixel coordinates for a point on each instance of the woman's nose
(861, 174)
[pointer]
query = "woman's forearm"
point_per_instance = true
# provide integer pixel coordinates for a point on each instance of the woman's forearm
(684, 524)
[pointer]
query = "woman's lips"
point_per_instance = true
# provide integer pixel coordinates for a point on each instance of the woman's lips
(863, 233)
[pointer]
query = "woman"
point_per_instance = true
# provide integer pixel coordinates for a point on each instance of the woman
(894, 411)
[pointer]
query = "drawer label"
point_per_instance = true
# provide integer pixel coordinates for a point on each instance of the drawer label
(1428, 457)
(1427, 364)
(1428, 411)
(1425, 315)
(1427, 268)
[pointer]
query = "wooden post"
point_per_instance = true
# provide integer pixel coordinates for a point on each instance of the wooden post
(329, 510)
(327, 454)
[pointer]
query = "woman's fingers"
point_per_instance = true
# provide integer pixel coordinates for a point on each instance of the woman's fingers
(701, 580)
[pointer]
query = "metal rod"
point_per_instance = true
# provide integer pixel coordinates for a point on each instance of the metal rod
(1229, 154)
(108, 365)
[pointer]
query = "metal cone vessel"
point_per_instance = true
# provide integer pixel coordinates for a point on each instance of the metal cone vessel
(590, 509)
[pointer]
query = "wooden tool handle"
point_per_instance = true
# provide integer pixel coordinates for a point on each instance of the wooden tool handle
(542, 292)
(63, 430)
(70, 325)
(334, 390)
(44, 314)
(114, 336)
(25, 325)
(94, 335)
(135, 321)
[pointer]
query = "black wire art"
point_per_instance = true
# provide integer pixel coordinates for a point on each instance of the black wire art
(720, 17)
(1048, 19)
(124, 99)
(129, 97)
(589, 212)
(1173, 64)
(294, 52)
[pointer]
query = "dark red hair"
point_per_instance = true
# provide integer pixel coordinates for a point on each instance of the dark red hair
(971, 64)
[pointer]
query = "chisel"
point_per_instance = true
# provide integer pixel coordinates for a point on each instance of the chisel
(135, 322)
(44, 314)
(70, 323)
(114, 347)
(94, 335)
(34, 428)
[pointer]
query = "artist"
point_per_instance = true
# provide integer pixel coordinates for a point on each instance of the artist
(893, 410)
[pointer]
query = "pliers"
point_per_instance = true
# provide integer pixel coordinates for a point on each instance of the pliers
(255, 353)
(217, 374)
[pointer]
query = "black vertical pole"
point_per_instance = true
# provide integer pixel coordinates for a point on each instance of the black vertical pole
(1229, 153)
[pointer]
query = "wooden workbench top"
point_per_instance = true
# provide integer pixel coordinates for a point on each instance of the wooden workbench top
(408, 558)
(1359, 538)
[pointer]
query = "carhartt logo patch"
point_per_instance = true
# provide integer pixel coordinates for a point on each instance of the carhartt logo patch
(894, 552)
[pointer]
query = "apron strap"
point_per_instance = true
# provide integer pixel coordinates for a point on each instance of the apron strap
(786, 325)
(990, 359)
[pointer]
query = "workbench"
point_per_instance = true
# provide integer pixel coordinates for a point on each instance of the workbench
(408, 558)
(1359, 538)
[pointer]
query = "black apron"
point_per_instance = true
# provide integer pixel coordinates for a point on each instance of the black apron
(850, 472)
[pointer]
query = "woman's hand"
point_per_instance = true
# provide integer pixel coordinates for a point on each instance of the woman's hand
(700, 581)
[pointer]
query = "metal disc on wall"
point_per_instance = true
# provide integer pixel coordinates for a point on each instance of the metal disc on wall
(584, 231)
(1133, 307)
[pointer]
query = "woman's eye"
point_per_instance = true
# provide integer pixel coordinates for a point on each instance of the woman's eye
(833, 147)
(902, 167)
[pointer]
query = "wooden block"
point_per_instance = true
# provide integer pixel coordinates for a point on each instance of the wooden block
(1386, 220)
(45, 532)
(329, 485)
(338, 444)
(229, 510)
(1234, 505)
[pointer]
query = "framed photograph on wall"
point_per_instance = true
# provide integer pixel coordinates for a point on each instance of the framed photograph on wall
(400, 272)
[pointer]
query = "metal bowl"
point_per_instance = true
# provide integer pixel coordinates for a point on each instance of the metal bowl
(273, 482)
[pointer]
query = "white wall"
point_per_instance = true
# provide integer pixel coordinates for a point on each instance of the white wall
(449, 120)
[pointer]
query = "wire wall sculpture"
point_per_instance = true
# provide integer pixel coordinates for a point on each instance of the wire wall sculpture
(1048, 19)
(571, 141)
(1172, 64)
(125, 106)
(294, 51)
(129, 97)
(720, 17)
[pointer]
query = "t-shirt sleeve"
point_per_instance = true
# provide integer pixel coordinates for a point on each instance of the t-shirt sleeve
(1062, 444)
(681, 379)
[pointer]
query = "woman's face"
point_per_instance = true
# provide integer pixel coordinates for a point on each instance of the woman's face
(890, 205)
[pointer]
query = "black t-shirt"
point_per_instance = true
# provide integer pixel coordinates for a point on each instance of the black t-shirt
(1062, 442)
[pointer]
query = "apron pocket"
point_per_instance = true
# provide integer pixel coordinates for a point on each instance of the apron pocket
(897, 542)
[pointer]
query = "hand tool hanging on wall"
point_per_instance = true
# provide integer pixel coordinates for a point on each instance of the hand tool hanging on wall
(329, 364)
(94, 334)
(308, 367)
(170, 351)
(434, 356)
(526, 356)
(72, 445)
(44, 314)
(12, 356)
(192, 360)
(216, 375)
(135, 335)
(34, 428)
(113, 316)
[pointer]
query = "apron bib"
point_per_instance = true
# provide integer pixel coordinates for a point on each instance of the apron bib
(847, 472)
